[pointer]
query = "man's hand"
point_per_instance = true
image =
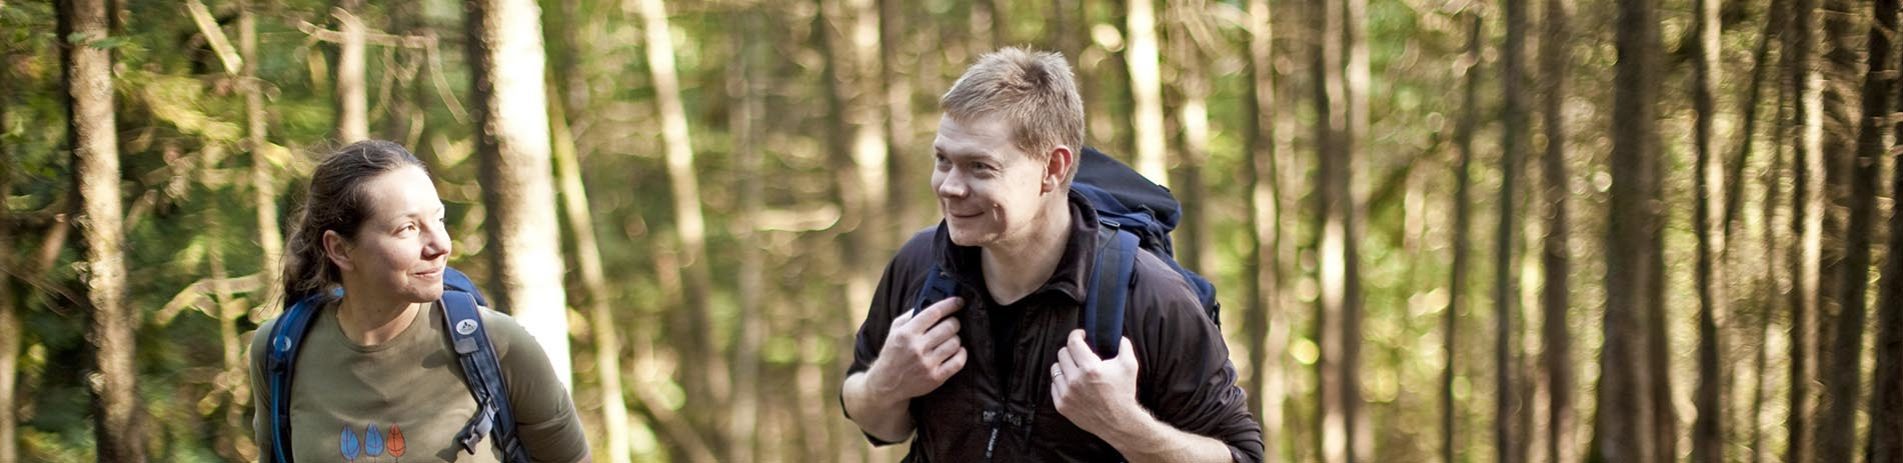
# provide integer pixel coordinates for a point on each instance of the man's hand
(921, 352)
(1098, 395)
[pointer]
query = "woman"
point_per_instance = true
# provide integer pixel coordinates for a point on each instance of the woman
(375, 375)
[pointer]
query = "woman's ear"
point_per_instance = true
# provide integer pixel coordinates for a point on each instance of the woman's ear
(337, 249)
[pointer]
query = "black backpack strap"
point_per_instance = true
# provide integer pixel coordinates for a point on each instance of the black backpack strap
(483, 373)
(1109, 290)
(286, 337)
(938, 286)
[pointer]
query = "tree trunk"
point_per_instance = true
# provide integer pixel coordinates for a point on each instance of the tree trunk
(1708, 430)
(9, 315)
(1146, 86)
(263, 184)
(1463, 221)
(856, 140)
(581, 224)
(704, 369)
(1625, 411)
(1506, 282)
(1556, 259)
(95, 145)
(1886, 394)
(353, 108)
(1193, 85)
(1355, 77)
(1340, 288)
(750, 332)
(899, 125)
(1264, 323)
(1796, 56)
(1850, 156)
(507, 64)
(1767, 291)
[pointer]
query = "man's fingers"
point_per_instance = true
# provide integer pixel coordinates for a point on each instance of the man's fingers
(942, 331)
(938, 310)
(951, 365)
(1065, 365)
(1127, 355)
(1080, 350)
(943, 351)
(904, 316)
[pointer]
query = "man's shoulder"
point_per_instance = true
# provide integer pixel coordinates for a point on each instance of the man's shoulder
(1159, 291)
(918, 252)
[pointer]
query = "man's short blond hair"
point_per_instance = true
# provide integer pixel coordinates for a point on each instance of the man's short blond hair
(1032, 90)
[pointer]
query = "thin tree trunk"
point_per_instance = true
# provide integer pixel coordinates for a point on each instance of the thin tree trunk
(1506, 282)
(1804, 224)
(1338, 336)
(1463, 221)
(1192, 83)
(1886, 394)
(1767, 292)
(989, 22)
(353, 108)
(1264, 322)
(1850, 155)
(9, 315)
(894, 35)
(1146, 86)
(1625, 413)
(581, 224)
(95, 144)
(1355, 79)
(1708, 430)
(703, 368)
(1556, 259)
(263, 183)
(855, 127)
(743, 423)
(507, 65)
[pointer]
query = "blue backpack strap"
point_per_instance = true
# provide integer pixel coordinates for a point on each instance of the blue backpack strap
(286, 337)
(483, 373)
(1109, 290)
(938, 286)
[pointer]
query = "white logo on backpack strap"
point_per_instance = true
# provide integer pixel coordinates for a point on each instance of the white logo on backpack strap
(465, 327)
(283, 344)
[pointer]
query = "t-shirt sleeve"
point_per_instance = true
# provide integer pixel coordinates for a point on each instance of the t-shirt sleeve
(545, 417)
(260, 392)
(1186, 372)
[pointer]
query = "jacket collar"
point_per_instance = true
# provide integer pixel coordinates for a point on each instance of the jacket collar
(1071, 276)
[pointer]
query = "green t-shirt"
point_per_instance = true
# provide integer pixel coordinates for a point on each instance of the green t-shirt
(405, 400)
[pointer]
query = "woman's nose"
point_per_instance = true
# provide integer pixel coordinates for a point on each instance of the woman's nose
(436, 244)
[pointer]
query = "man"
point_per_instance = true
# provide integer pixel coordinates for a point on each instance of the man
(1000, 371)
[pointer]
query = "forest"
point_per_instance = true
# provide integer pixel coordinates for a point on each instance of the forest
(1441, 230)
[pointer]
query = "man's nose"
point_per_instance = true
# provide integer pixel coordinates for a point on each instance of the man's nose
(952, 186)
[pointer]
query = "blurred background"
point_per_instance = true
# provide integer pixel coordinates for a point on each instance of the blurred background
(1441, 230)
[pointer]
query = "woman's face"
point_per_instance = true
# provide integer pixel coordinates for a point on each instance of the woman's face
(402, 246)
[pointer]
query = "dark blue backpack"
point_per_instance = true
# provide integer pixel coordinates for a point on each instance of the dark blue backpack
(1137, 214)
(462, 317)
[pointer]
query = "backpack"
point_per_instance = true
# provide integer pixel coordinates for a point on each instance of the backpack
(462, 317)
(1136, 215)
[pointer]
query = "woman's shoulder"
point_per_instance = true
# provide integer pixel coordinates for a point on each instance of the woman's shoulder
(505, 332)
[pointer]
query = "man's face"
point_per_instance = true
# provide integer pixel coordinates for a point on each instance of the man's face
(987, 187)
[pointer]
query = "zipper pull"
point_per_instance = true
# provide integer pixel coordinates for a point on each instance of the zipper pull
(991, 443)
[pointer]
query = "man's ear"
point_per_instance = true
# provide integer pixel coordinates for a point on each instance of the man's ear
(337, 249)
(1058, 165)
